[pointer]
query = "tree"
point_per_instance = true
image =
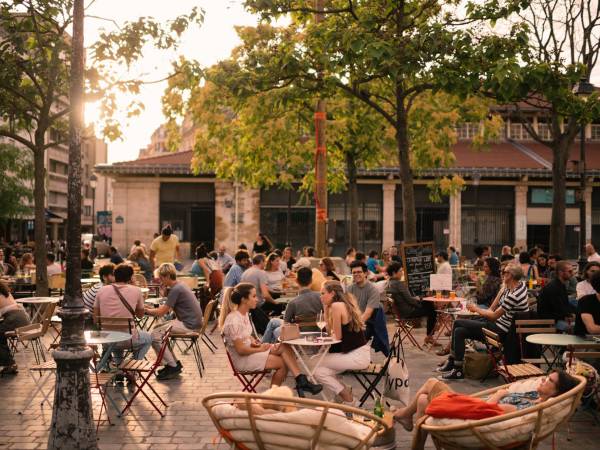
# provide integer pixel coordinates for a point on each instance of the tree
(17, 172)
(384, 53)
(35, 50)
(563, 48)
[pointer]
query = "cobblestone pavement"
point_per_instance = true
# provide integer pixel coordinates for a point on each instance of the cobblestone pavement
(187, 425)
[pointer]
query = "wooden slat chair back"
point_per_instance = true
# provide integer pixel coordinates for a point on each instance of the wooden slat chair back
(57, 281)
(510, 372)
(525, 327)
(208, 313)
(306, 321)
(248, 379)
(123, 324)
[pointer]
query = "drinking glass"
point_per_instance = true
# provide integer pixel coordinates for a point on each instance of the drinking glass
(321, 323)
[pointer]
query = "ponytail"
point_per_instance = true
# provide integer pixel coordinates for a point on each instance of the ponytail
(232, 298)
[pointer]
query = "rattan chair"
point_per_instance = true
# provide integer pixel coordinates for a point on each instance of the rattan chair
(308, 424)
(524, 428)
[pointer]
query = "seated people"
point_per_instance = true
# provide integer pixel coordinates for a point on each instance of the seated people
(584, 287)
(122, 299)
(107, 277)
(553, 301)
(275, 276)
(317, 278)
(327, 268)
(307, 303)
(13, 316)
(443, 266)
(182, 300)
(249, 354)
(234, 275)
(408, 306)
(486, 293)
(344, 322)
(52, 266)
(528, 267)
(257, 276)
(553, 385)
(498, 319)
(587, 320)
(365, 292)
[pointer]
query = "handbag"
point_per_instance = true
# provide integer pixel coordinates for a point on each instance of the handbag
(397, 377)
(477, 365)
(289, 331)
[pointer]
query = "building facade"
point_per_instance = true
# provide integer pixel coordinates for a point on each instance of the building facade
(507, 200)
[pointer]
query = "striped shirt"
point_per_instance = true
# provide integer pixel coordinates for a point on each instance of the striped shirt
(89, 296)
(511, 302)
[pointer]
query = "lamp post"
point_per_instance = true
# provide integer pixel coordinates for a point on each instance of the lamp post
(583, 90)
(93, 184)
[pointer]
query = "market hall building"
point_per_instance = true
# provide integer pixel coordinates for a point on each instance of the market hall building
(507, 200)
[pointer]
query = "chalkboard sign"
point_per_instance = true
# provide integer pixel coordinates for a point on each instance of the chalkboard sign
(418, 265)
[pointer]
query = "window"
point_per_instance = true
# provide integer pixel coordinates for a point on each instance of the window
(467, 130)
(87, 210)
(543, 197)
(544, 131)
(518, 132)
(595, 132)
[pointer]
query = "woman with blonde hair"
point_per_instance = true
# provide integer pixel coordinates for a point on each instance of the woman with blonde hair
(344, 323)
(249, 354)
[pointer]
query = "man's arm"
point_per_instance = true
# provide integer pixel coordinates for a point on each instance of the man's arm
(177, 254)
(152, 255)
(158, 312)
(367, 314)
(265, 293)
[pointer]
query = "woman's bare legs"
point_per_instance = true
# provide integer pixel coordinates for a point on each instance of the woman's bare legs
(285, 353)
(276, 362)
(411, 409)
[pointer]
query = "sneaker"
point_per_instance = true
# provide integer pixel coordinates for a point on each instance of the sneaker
(168, 373)
(455, 374)
(446, 367)
(179, 365)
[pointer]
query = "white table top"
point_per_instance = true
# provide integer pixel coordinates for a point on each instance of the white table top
(38, 300)
(145, 290)
(105, 337)
(444, 299)
(302, 340)
(90, 280)
(559, 340)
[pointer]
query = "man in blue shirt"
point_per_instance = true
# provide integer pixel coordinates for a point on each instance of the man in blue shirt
(234, 276)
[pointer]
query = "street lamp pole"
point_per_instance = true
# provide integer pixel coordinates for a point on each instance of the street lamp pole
(583, 89)
(72, 421)
(93, 184)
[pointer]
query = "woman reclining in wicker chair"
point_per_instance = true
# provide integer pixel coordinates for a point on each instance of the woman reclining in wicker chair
(557, 383)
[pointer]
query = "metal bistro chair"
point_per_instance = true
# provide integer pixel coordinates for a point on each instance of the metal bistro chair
(525, 327)
(405, 326)
(248, 379)
(45, 369)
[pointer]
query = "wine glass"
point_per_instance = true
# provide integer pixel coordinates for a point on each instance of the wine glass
(321, 323)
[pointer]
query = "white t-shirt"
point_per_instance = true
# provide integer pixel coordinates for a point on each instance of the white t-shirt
(54, 268)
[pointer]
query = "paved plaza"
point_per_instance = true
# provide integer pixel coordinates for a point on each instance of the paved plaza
(187, 425)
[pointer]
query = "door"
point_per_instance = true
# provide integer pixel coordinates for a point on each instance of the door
(202, 227)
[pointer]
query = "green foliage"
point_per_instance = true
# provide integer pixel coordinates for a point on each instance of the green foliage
(15, 183)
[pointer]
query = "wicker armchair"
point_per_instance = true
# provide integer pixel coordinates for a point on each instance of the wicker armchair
(524, 428)
(307, 424)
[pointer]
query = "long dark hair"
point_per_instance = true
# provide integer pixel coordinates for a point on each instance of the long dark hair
(494, 266)
(232, 299)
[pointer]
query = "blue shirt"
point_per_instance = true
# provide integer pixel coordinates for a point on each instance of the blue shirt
(234, 276)
(372, 264)
(520, 400)
(196, 269)
(453, 260)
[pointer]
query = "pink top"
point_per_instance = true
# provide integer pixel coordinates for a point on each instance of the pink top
(109, 305)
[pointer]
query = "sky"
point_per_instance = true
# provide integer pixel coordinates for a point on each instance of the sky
(211, 42)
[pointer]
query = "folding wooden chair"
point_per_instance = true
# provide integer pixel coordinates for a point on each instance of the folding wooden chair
(144, 370)
(45, 369)
(509, 372)
(99, 381)
(122, 324)
(139, 280)
(191, 338)
(307, 322)
(370, 377)
(525, 327)
(405, 326)
(57, 282)
(208, 312)
(248, 379)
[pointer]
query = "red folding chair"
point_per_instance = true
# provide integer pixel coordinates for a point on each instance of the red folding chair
(405, 326)
(250, 379)
(144, 370)
(99, 381)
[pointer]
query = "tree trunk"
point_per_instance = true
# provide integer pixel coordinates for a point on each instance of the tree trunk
(352, 198)
(409, 215)
(39, 200)
(559, 187)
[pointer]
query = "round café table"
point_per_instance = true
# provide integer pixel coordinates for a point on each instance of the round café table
(37, 305)
(444, 322)
(555, 342)
(308, 341)
(90, 280)
(108, 339)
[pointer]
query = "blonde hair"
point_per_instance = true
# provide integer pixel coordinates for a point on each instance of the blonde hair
(356, 323)
(167, 270)
(278, 391)
(232, 297)
(272, 257)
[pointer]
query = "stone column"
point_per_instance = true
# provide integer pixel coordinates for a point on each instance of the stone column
(588, 214)
(455, 220)
(54, 226)
(521, 216)
(389, 192)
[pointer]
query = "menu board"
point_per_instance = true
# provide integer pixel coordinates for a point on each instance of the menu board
(418, 263)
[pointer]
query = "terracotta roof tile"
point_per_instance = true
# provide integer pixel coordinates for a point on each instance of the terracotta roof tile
(175, 158)
(500, 155)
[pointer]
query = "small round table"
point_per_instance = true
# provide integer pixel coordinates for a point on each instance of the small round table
(90, 280)
(37, 305)
(307, 341)
(107, 338)
(554, 342)
(444, 322)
